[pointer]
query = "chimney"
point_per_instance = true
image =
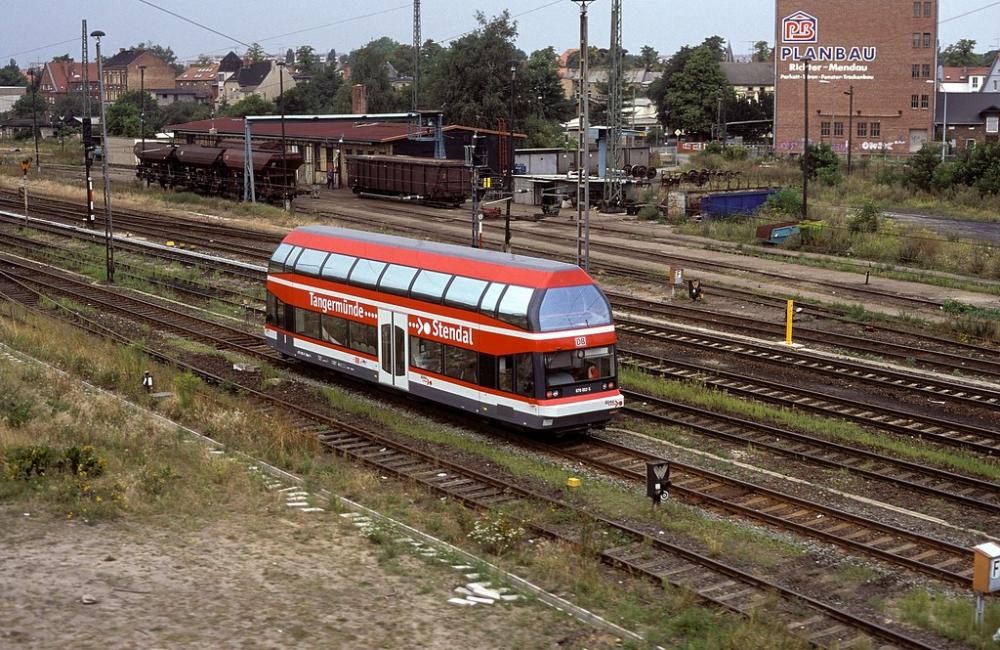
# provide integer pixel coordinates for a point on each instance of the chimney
(359, 99)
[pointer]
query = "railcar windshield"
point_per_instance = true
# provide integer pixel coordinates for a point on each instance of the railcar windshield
(575, 366)
(565, 308)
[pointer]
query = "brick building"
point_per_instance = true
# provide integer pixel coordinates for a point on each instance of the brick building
(122, 73)
(885, 51)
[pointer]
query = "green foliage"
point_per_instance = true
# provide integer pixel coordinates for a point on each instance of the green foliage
(749, 109)
(735, 152)
(125, 115)
(22, 463)
(675, 65)
(31, 103)
(921, 168)
(15, 410)
(186, 386)
(83, 462)
(544, 133)
(960, 54)
(866, 219)
(10, 75)
(180, 112)
(821, 156)
(762, 51)
(691, 97)
(496, 532)
(368, 67)
(318, 95)
(979, 168)
(830, 176)
(250, 105)
(255, 53)
(306, 60)
(786, 202)
(713, 148)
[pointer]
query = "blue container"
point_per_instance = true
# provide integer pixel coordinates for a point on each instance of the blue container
(715, 206)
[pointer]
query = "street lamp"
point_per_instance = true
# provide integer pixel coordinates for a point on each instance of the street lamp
(109, 249)
(284, 165)
(850, 126)
(34, 117)
(805, 143)
(142, 110)
(944, 120)
(510, 157)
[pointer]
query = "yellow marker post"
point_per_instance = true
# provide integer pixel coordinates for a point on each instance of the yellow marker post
(789, 312)
(573, 482)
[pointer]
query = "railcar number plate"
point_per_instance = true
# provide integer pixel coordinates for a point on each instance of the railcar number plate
(581, 341)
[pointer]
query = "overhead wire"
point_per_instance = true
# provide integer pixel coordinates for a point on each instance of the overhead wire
(519, 15)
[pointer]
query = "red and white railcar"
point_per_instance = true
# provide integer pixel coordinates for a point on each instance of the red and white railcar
(523, 340)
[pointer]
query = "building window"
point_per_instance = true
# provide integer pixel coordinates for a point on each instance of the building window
(862, 129)
(926, 70)
(915, 71)
(927, 39)
(914, 101)
(876, 129)
(824, 129)
(925, 101)
(916, 39)
(916, 10)
(838, 128)
(975, 82)
(927, 9)
(993, 124)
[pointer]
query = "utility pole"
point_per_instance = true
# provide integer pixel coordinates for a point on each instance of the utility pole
(583, 151)
(34, 117)
(613, 190)
(805, 144)
(109, 233)
(850, 126)
(86, 131)
(510, 158)
(285, 200)
(471, 155)
(142, 109)
(416, 54)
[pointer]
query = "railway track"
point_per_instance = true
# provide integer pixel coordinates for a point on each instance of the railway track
(945, 432)
(640, 551)
(937, 387)
(970, 491)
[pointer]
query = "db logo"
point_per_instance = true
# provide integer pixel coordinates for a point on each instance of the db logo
(800, 27)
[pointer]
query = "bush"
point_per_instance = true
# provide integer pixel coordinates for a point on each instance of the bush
(15, 410)
(787, 202)
(496, 532)
(866, 219)
(22, 463)
(735, 152)
(920, 170)
(186, 386)
(820, 157)
(830, 176)
(713, 148)
(83, 462)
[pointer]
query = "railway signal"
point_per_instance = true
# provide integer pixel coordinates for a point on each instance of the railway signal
(657, 480)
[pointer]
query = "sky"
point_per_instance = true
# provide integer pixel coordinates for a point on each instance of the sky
(37, 30)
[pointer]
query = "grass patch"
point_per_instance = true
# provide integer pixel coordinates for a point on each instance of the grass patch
(950, 616)
(698, 394)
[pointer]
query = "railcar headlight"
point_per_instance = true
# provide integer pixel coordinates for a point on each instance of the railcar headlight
(551, 393)
(608, 385)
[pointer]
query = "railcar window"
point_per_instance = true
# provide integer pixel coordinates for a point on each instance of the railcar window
(566, 308)
(397, 279)
(307, 323)
(488, 305)
(290, 260)
(334, 330)
(460, 363)
(574, 366)
(366, 273)
(487, 370)
(514, 306)
(505, 373)
(363, 338)
(430, 285)
(524, 375)
(338, 267)
(464, 292)
(272, 309)
(426, 354)
(310, 261)
(276, 264)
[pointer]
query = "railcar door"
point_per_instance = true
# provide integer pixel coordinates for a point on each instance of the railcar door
(393, 349)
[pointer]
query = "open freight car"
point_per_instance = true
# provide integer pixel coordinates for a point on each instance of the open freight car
(217, 171)
(410, 178)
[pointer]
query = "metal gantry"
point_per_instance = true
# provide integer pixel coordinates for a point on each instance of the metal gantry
(583, 147)
(613, 191)
(416, 53)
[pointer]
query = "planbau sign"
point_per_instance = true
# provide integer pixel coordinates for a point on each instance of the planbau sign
(800, 33)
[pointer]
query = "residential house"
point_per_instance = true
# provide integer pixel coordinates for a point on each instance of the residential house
(263, 79)
(749, 80)
(638, 79)
(167, 96)
(203, 79)
(123, 73)
(955, 79)
(9, 95)
(991, 84)
(61, 78)
(972, 119)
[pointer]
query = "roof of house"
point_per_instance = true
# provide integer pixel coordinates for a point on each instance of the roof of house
(749, 74)
(331, 131)
(966, 108)
(124, 57)
(962, 73)
(250, 76)
(230, 63)
(60, 74)
(206, 73)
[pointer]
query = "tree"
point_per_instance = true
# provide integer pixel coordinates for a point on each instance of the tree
(255, 53)
(921, 167)
(203, 61)
(750, 109)
(30, 103)
(289, 56)
(368, 67)
(63, 58)
(331, 57)
(690, 98)
(471, 79)
(181, 112)
(318, 95)
(648, 57)
(306, 59)
(674, 66)
(67, 107)
(250, 105)
(762, 51)
(961, 53)
(126, 114)
(10, 75)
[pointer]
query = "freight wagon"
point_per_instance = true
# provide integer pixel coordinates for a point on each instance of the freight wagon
(409, 178)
